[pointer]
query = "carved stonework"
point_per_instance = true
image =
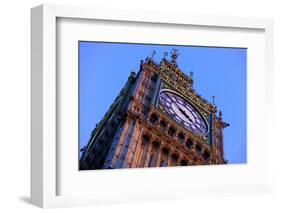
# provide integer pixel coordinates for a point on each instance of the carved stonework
(144, 134)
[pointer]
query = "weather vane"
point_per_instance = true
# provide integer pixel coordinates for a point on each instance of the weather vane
(174, 55)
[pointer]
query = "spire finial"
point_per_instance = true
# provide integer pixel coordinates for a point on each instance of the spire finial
(220, 114)
(213, 100)
(165, 54)
(174, 55)
(153, 54)
(191, 74)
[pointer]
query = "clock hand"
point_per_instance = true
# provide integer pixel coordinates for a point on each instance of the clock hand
(181, 110)
(190, 119)
(184, 113)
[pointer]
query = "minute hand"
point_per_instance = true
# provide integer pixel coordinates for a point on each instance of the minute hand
(184, 113)
(181, 110)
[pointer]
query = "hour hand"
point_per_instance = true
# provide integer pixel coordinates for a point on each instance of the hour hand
(188, 118)
(184, 113)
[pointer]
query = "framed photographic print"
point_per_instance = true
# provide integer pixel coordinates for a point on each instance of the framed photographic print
(130, 106)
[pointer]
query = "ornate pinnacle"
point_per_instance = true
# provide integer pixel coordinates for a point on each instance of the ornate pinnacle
(191, 74)
(213, 100)
(153, 54)
(220, 115)
(174, 56)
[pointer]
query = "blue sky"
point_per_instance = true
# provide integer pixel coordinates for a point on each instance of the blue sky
(105, 67)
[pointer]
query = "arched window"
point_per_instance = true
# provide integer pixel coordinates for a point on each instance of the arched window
(189, 143)
(163, 125)
(206, 155)
(172, 131)
(195, 161)
(198, 149)
(181, 137)
(165, 155)
(153, 118)
(162, 163)
(154, 154)
(145, 138)
(144, 145)
(183, 163)
(151, 159)
(144, 154)
(175, 160)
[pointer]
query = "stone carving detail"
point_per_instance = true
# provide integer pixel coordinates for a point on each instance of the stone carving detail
(143, 134)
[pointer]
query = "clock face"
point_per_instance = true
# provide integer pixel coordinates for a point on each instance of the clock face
(183, 112)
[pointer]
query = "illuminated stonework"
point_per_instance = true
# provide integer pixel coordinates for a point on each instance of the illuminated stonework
(157, 120)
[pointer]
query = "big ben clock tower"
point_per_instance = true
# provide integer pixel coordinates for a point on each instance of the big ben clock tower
(157, 120)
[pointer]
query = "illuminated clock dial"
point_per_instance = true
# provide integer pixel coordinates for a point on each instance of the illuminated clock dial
(183, 112)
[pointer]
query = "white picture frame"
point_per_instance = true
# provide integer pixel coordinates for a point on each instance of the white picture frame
(44, 148)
